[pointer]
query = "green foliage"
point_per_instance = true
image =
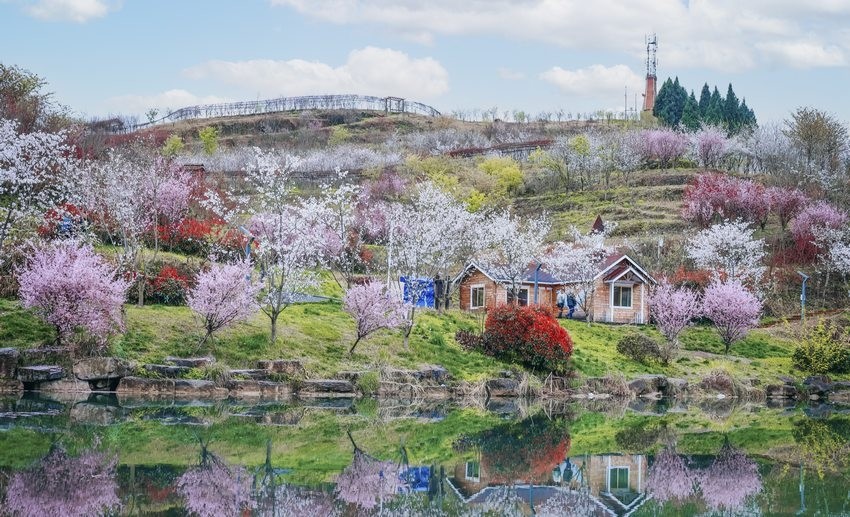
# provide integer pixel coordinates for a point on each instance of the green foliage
(368, 383)
(339, 135)
(674, 107)
(475, 201)
(690, 115)
(823, 349)
(209, 139)
(640, 348)
(21, 328)
(506, 172)
(173, 146)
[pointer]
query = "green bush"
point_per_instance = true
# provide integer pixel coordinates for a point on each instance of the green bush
(823, 349)
(640, 348)
(368, 383)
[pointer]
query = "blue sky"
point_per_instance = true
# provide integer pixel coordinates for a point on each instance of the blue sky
(111, 56)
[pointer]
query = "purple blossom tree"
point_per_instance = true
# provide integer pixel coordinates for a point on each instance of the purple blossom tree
(813, 220)
(786, 203)
(73, 289)
(732, 309)
(367, 481)
(730, 480)
(224, 294)
(663, 146)
(669, 478)
(673, 309)
(373, 308)
(710, 145)
(214, 488)
(65, 485)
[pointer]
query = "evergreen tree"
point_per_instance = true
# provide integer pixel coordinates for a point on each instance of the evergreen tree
(670, 102)
(661, 109)
(704, 100)
(714, 114)
(691, 115)
(746, 116)
(730, 111)
(681, 98)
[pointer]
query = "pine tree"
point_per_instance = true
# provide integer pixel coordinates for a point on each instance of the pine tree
(704, 100)
(730, 111)
(681, 98)
(663, 102)
(690, 115)
(746, 116)
(714, 114)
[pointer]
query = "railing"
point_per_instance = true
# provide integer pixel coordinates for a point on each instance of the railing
(308, 102)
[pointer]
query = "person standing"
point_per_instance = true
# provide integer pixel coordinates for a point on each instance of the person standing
(560, 301)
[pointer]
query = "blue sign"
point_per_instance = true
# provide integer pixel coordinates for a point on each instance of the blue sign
(422, 289)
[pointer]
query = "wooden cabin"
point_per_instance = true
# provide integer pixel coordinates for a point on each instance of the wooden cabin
(619, 294)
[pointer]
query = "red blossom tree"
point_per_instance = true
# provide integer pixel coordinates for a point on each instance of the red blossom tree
(530, 335)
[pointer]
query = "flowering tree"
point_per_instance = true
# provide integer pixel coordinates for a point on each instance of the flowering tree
(669, 478)
(712, 196)
(786, 203)
(223, 295)
(663, 146)
(578, 503)
(36, 175)
(732, 309)
(373, 308)
(367, 481)
(515, 242)
(214, 488)
(60, 484)
(673, 310)
(578, 262)
(728, 249)
(73, 289)
(813, 220)
(730, 480)
(710, 145)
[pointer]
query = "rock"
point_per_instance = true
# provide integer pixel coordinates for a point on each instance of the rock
(437, 374)
(840, 397)
(198, 389)
(503, 406)
(780, 391)
(190, 362)
(65, 386)
(288, 418)
(8, 362)
(255, 374)
(145, 386)
(676, 387)
(648, 385)
(257, 389)
(350, 376)
(47, 355)
(97, 368)
(818, 385)
(502, 387)
(326, 388)
(399, 376)
(165, 370)
(291, 367)
(11, 386)
(41, 373)
(94, 414)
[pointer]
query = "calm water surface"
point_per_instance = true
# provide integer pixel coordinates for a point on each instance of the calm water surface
(108, 456)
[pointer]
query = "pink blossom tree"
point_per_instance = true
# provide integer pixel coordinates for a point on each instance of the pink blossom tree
(673, 309)
(732, 309)
(813, 220)
(718, 196)
(786, 203)
(710, 145)
(214, 488)
(728, 250)
(36, 175)
(223, 295)
(663, 146)
(373, 308)
(730, 480)
(669, 478)
(60, 484)
(367, 481)
(73, 289)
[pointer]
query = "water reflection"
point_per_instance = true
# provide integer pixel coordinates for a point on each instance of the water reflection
(288, 459)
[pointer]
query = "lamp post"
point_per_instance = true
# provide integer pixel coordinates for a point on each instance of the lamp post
(803, 297)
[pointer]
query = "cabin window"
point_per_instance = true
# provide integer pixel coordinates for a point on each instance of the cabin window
(476, 297)
(522, 299)
(473, 471)
(623, 296)
(618, 478)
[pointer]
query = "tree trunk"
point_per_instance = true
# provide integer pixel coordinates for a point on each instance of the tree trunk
(273, 318)
(351, 350)
(141, 289)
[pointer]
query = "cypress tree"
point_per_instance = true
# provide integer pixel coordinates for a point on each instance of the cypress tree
(730, 111)
(680, 96)
(690, 115)
(746, 116)
(714, 115)
(704, 100)
(663, 102)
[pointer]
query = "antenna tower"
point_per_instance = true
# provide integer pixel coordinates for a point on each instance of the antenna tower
(651, 66)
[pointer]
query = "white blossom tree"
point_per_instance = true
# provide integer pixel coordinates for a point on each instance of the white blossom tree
(728, 249)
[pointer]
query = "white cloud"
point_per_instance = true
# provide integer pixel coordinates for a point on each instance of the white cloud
(370, 71)
(805, 54)
(594, 80)
(727, 35)
(166, 101)
(510, 75)
(79, 11)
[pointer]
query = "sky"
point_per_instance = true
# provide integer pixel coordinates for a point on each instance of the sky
(104, 57)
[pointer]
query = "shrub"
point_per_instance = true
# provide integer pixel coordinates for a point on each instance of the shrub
(469, 340)
(527, 335)
(823, 349)
(640, 348)
(168, 287)
(369, 383)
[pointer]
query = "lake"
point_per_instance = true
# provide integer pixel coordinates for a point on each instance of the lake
(103, 455)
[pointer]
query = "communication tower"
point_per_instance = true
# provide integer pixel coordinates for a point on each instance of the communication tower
(651, 78)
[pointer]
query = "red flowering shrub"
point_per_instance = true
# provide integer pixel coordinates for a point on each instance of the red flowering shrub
(693, 278)
(528, 335)
(65, 219)
(168, 287)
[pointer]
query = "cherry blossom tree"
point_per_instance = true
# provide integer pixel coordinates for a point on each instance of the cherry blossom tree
(223, 295)
(728, 249)
(215, 488)
(663, 146)
(710, 145)
(578, 503)
(719, 196)
(732, 309)
(37, 174)
(373, 308)
(367, 481)
(813, 220)
(577, 262)
(786, 203)
(673, 309)
(60, 484)
(669, 477)
(73, 289)
(730, 480)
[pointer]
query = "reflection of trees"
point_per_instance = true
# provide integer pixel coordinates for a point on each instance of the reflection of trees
(526, 450)
(576, 503)
(825, 444)
(62, 485)
(214, 488)
(275, 499)
(367, 481)
(730, 480)
(669, 478)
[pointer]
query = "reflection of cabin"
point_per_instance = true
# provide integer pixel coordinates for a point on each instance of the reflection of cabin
(617, 480)
(620, 290)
